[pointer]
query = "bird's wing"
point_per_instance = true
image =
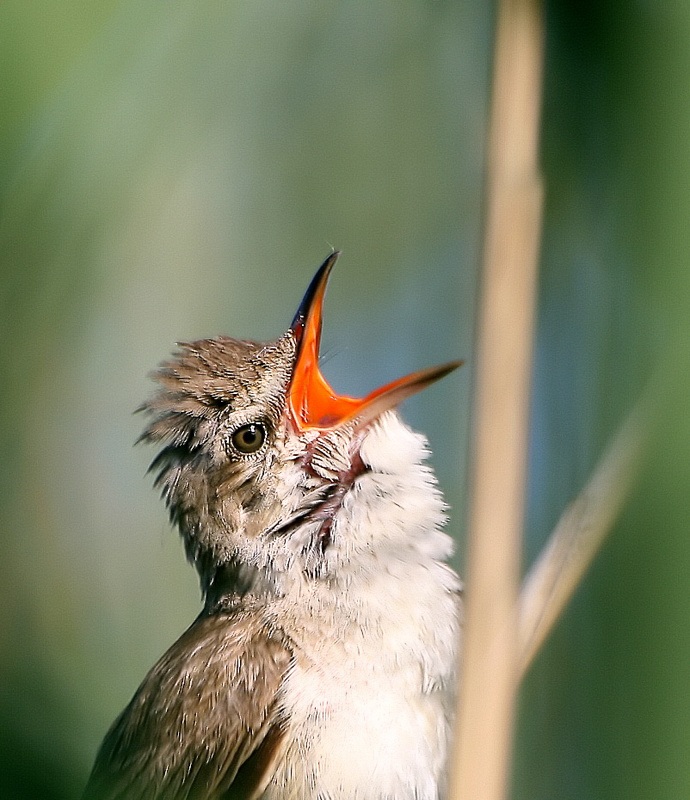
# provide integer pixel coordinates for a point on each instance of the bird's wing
(205, 724)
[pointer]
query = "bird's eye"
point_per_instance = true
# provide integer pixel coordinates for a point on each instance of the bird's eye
(249, 438)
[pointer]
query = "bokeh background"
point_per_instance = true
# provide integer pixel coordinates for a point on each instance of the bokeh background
(176, 170)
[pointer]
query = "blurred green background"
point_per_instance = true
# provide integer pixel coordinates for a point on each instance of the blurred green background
(175, 170)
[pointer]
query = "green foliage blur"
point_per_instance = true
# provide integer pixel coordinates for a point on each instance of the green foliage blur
(176, 170)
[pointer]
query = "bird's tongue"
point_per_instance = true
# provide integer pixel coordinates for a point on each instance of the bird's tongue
(312, 401)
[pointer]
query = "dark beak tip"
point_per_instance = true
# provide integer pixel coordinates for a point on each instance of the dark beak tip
(436, 373)
(317, 282)
(451, 366)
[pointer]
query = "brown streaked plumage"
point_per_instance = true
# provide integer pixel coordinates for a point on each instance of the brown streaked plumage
(313, 671)
(184, 734)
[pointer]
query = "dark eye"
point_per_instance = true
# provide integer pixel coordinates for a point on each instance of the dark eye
(249, 438)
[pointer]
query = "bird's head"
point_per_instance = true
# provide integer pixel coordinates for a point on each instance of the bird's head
(260, 454)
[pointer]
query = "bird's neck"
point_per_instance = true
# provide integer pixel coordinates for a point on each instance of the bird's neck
(389, 521)
(228, 584)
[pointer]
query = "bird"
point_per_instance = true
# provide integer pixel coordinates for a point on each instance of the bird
(323, 663)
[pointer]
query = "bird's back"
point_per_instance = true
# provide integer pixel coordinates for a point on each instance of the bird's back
(205, 707)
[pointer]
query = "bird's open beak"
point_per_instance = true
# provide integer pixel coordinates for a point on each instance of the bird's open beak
(312, 402)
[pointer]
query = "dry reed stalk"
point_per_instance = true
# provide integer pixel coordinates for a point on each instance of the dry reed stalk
(481, 758)
(579, 533)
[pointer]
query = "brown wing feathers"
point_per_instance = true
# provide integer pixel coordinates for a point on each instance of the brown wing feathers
(206, 711)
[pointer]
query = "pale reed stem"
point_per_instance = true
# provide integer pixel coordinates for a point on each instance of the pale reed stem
(579, 533)
(490, 665)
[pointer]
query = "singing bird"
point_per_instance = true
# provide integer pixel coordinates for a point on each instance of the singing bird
(322, 664)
